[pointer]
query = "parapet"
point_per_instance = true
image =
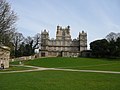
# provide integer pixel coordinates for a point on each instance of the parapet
(61, 28)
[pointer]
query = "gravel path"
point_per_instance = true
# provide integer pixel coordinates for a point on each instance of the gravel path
(57, 69)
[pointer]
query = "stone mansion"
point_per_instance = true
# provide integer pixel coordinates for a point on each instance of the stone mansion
(63, 45)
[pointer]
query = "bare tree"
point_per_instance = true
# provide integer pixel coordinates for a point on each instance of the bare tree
(17, 40)
(37, 41)
(112, 36)
(28, 40)
(32, 43)
(7, 22)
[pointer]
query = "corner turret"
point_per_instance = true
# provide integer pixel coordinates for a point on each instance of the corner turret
(44, 39)
(82, 41)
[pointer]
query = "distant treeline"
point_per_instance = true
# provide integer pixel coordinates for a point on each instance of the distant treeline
(108, 47)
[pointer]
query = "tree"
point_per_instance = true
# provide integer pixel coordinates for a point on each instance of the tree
(99, 48)
(112, 48)
(31, 43)
(28, 46)
(112, 36)
(21, 49)
(109, 47)
(36, 41)
(7, 22)
(114, 44)
(118, 46)
(17, 40)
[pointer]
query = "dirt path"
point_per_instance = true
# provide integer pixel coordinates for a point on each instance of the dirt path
(90, 65)
(57, 69)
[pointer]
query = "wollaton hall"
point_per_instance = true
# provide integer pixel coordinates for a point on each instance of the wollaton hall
(63, 45)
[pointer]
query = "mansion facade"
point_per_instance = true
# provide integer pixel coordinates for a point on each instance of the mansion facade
(63, 45)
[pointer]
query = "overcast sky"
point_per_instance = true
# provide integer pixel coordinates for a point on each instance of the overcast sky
(96, 17)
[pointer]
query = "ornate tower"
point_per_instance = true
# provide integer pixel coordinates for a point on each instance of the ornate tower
(63, 38)
(83, 41)
(59, 33)
(63, 33)
(44, 40)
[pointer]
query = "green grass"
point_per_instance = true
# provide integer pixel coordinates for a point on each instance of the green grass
(59, 80)
(64, 80)
(16, 68)
(77, 63)
(14, 63)
(107, 67)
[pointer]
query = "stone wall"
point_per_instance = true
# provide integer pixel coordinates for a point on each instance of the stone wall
(4, 56)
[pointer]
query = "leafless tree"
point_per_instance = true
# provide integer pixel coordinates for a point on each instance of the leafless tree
(28, 40)
(37, 41)
(33, 42)
(112, 36)
(17, 40)
(7, 22)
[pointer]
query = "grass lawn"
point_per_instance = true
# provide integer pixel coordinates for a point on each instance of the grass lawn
(16, 68)
(64, 80)
(59, 80)
(78, 63)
